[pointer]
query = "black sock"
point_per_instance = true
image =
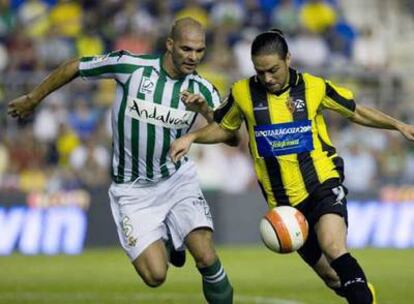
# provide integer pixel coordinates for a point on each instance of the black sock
(353, 280)
(339, 291)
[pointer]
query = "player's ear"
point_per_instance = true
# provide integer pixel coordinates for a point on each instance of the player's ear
(288, 59)
(169, 44)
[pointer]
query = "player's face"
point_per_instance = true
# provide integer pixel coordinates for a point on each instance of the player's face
(272, 71)
(187, 51)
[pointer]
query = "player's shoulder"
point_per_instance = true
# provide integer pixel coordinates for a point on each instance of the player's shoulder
(141, 59)
(109, 56)
(311, 78)
(240, 85)
(122, 56)
(241, 82)
(321, 83)
(203, 81)
(314, 82)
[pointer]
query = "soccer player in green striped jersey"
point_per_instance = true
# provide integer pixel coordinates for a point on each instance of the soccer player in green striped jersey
(154, 201)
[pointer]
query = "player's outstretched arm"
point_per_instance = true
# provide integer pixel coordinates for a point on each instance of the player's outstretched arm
(197, 103)
(25, 105)
(374, 118)
(210, 134)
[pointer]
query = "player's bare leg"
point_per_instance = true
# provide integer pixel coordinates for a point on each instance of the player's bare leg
(216, 286)
(152, 264)
(331, 232)
(200, 244)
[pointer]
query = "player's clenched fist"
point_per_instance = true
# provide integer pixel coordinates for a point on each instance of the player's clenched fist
(21, 107)
(194, 102)
(180, 147)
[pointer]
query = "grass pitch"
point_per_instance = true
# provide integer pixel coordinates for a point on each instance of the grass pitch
(258, 276)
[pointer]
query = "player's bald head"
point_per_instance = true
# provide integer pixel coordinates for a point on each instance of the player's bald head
(186, 46)
(185, 26)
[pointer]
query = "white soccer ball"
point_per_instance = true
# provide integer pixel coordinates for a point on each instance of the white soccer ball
(284, 229)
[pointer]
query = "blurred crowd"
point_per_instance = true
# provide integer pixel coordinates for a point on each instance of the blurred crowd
(67, 145)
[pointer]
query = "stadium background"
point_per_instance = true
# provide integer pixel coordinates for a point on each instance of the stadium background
(54, 167)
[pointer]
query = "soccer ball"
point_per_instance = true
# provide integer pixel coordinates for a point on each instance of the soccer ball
(284, 229)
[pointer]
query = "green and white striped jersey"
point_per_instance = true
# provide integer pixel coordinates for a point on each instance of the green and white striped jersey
(147, 114)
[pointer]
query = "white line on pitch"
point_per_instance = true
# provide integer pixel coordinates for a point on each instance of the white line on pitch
(71, 297)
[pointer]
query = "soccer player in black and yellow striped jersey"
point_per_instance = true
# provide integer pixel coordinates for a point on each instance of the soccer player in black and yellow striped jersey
(294, 159)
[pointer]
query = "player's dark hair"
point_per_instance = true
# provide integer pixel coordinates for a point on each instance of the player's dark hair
(270, 42)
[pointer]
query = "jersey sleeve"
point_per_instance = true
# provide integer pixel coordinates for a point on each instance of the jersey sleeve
(338, 99)
(108, 66)
(210, 94)
(228, 115)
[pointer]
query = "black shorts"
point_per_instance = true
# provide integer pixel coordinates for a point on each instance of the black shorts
(329, 197)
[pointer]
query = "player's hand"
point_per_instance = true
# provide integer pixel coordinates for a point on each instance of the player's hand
(21, 107)
(180, 147)
(407, 131)
(194, 102)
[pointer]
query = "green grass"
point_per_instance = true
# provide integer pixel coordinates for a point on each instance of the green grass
(258, 276)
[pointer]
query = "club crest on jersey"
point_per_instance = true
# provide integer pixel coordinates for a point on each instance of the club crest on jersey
(147, 86)
(297, 105)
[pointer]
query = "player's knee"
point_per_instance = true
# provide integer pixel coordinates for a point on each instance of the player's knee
(333, 250)
(206, 259)
(155, 278)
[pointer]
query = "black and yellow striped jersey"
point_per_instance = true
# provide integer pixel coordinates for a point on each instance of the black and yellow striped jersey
(288, 137)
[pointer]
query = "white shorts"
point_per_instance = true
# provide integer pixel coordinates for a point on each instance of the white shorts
(146, 213)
